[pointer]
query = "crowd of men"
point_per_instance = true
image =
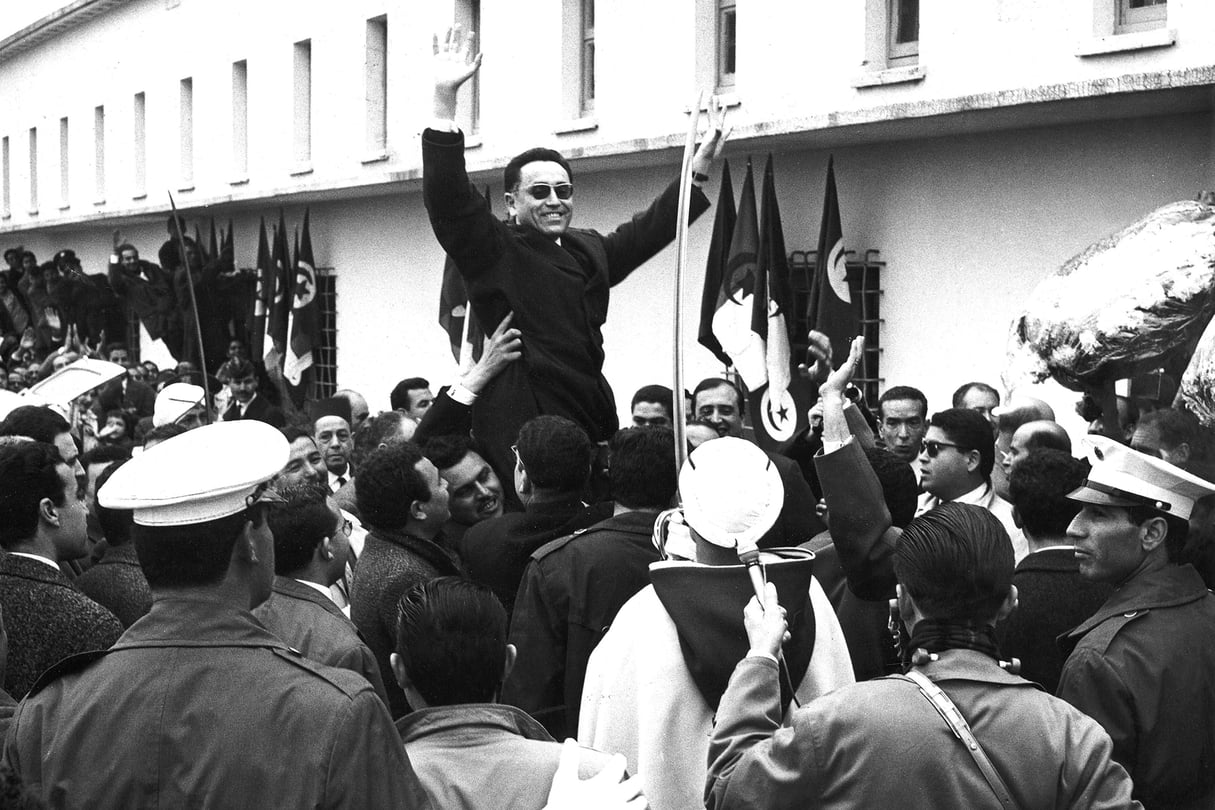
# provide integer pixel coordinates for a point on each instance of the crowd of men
(412, 608)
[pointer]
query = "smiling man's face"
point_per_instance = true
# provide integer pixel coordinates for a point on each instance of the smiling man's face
(550, 215)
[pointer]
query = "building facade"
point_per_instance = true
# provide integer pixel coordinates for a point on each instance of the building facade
(978, 145)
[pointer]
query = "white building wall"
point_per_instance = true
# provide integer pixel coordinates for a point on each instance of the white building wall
(968, 211)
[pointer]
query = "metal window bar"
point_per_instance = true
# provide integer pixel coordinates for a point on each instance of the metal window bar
(865, 280)
(324, 357)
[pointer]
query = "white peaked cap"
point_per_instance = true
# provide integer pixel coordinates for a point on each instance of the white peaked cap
(204, 474)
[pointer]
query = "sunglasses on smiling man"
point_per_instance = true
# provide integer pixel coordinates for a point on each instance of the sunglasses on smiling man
(541, 191)
(933, 447)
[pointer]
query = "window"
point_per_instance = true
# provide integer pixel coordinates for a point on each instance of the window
(903, 24)
(376, 86)
(33, 171)
(186, 110)
(140, 143)
(727, 43)
(1140, 15)
(240, 121)
(468, 15)
(586, 60)
(324, 357)
(865, 281)
(302, 118)
(6, 179)
(65, 196)
(99, 154)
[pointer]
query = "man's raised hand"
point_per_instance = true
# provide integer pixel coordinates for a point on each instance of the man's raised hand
(454, 63)
(502, 348)
(838, 379)
(715, 140)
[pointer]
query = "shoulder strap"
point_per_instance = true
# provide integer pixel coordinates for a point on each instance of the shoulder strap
(961, 729)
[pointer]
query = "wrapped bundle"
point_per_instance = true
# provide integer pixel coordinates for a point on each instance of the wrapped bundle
(1198, 383)
(1134, 301)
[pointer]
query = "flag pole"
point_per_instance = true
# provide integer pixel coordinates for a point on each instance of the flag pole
(678, 416)
(202, 354)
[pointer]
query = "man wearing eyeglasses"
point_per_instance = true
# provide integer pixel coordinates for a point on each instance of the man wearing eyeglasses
(956, 459)
(554, 277)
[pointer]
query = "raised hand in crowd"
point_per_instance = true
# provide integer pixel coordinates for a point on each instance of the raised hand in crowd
(455, 62)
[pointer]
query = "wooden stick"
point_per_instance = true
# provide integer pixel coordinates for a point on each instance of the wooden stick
(678, 417)
(202, 353)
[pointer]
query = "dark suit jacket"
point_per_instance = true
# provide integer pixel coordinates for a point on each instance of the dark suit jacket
(797, 522)
(495, 552)
(138, 398)
(1052, 599)
(47, 620)
(117, 583)
(259, 409)
(572, 590)
(559, 294)
(312, 623)
(391, 564)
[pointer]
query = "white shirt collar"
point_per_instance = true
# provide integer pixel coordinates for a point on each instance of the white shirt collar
(38, 557)
(318, 588)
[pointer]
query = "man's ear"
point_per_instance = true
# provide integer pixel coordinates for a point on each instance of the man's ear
(523, 482)
(509, 199)
(1153, 533)
(48, 512)
(417, 511)
(326, 548)
(398, 670)
(1016, 513)
(973, 459)
(1010, 604)
(512, 655)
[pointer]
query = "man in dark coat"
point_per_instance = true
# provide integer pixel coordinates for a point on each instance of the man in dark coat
(556, 279)
(125, 393)
(1053, 597)
(551, 472)
(1144, 665)
(241, 378)
(574, 586)
(403, 502)
(219, 703)
(42, 522)
(147, 290)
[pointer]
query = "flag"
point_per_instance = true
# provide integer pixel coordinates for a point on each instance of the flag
(779, 409)
(280, 306)
(732, 316)
(455, 310)
(263, 295)
(715, 268)
(305, 321)
(212, 245)
(831, 308)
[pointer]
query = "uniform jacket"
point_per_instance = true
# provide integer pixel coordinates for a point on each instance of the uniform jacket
(485, 756)
(117, 583)
(259, 409)
(882, 744)
(1052, 598)
(391, 564)
(642, 697)
(571, 592)
(497, 551)
(559, 294)
(199, 706)
(1144, 668)
(312, 623)
(47, 619)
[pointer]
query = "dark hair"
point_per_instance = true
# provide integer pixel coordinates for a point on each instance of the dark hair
(709, 383)
(658, 394)
(389, 484)
(510, 175)
(126, 246)
(451, 636)
(194, 554)
(28, 473)
(1038, 487)
(956, 562)
(374, 431)
(115, 346)
(899, 487)
(903, 392)
(29, 254)
(642, 467)
(1174, 427)
(959, 396)
(292, 433)
(104, 454)
(399, 398)
(35, 421)
(163, 433)
(970, 431)
(237, 368)
(556, 453)
(115, 523)
(447, 451)
(299, 526)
